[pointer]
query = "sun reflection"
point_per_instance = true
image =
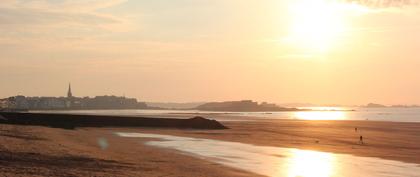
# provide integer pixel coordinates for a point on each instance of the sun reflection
(320, 115)
(305, 163)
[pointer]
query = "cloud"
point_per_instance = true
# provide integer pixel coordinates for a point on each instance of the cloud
(86, 5)
(297, 56)
(45, 17)
(385, 3)
(65, 18)
(61, 5)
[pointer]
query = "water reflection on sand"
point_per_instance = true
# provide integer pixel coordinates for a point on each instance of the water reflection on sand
(310, 163)
(281, 162)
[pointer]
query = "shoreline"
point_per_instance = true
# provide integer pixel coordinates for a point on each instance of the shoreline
(398, 141)
(43, 151)
(29, 150)
(370, 115)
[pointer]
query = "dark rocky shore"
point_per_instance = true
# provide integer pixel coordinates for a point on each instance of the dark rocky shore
(70, 121)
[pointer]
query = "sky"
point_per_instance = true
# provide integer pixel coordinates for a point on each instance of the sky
(317, 51)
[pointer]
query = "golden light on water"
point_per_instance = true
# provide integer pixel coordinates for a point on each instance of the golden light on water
(306, 163)
(320, 115)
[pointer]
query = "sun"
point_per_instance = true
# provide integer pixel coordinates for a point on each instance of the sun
(316, 25)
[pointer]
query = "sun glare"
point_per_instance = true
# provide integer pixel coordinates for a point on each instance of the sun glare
(317, 25)
(306, 163)
(320, 115)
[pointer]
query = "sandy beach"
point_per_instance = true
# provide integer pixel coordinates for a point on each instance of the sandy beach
(210, 88)
(43, 151)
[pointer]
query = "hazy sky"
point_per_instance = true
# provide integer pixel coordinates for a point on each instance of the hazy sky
(315, 51)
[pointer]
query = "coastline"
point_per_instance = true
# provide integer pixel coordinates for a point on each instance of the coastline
(42, 151)
(387, 140)
(28, 150)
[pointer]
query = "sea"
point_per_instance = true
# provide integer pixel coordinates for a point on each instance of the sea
(318, 113)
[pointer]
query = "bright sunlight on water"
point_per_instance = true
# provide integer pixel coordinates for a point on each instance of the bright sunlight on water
(281, 162)
(320, 115)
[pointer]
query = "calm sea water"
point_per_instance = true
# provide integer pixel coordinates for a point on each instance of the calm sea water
(372, 114)
(281, 162)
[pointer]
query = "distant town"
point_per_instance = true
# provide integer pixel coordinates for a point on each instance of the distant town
(70, 102)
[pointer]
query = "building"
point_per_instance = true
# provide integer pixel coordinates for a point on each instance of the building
(72, 103)
(69, 94)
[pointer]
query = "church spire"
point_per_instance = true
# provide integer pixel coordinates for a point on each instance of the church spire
(69, 94)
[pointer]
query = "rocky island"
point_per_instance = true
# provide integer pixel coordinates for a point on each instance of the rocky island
(243, 106)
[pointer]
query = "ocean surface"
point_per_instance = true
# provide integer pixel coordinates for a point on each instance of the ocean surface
(280, 162)
(320, 113)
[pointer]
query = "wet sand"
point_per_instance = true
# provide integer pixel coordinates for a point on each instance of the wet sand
(387, 140)
(43, 151)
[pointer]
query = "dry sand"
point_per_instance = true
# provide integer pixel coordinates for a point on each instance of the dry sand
(42, 151)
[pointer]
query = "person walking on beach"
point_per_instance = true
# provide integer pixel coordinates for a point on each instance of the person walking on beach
(361, 139)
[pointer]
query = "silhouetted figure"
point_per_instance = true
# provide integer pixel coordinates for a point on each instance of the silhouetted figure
(361, 140)
(355, 129)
